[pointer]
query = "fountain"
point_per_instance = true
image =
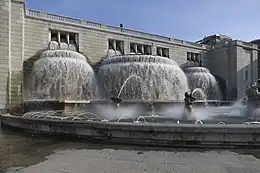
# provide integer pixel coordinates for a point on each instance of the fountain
(200, 77)
(62, 75)
(161, 77)
(146, 87)
(253, 100)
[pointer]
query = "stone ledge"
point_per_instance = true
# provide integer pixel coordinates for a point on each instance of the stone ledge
(148, 134)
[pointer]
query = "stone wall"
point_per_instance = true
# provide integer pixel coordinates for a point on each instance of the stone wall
(17, 52)
(93, 41)
(4, 51)
(246, 66)
(229, 62)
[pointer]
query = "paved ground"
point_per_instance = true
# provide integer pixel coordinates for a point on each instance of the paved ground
(45, 155)
(127, 161)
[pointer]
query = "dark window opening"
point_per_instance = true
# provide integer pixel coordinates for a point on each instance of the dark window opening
(111, 44)
(165, 52)
(63, 38)
(72, 38)
(132, 48)
(188, 56)
(159, 51)
(147, 50)
(139, 49)
(193, 57)
(120, 46)
(54, 36)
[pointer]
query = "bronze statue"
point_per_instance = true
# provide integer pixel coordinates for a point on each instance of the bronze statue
(117, 100)
(188, 101)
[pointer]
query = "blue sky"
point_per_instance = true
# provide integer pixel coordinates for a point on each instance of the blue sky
(182, 19)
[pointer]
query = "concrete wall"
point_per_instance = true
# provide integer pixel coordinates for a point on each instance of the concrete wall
(229, 62)
(246, 63)
(17, 51)
(93, 42)
(4, 51)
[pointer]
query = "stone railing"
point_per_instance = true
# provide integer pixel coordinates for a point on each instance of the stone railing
(64, 19)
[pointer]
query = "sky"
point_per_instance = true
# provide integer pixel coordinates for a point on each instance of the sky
(189, 20)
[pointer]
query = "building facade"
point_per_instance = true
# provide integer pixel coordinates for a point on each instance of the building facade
(25, 33)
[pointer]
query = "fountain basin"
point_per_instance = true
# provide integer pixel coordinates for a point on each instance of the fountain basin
(92, 105)
(170, 135)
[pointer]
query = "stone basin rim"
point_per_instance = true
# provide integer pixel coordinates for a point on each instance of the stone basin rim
(167, 135)
(131, 124)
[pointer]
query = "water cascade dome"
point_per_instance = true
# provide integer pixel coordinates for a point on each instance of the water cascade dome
(157, 78)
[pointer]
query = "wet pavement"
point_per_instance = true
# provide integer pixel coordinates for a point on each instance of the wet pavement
(23, 153)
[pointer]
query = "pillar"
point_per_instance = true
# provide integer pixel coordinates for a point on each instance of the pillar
(4, 51)
(16, 51)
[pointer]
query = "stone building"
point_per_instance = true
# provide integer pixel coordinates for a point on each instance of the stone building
(25, 33)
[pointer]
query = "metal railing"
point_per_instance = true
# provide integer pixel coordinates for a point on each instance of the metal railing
(54, 17)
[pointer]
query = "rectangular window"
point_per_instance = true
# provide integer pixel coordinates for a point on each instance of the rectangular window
(116, 45)
(120, 46)
(54, 35)
(132, 48)
(63, 37)
(111, 44)
(159, 51)
(139, 49)
(147, 50)
(195, 57)
(70, 38)
(164, 52)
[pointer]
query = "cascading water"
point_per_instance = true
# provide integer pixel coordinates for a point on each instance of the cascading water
(200, 77)
(162, 78)
(63, 74)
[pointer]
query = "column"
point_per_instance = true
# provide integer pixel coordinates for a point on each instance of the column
(68, 38)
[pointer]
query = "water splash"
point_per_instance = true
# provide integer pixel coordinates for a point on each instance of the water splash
(125, 115)
(122, 87)
(162, 77)
(63, 74)
(200, 77)
(199, 94)
(139, 118)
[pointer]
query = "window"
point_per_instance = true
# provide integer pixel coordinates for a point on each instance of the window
(72, 38)
(110, 44)
(54, 35)
(140, 48)
(165, 52)
(147, 50)
(69, 38)
(132, 48)
(120, 46)
(159, 51)
(162, 52)
(63, 37)
(195, 57)
(116, 45)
